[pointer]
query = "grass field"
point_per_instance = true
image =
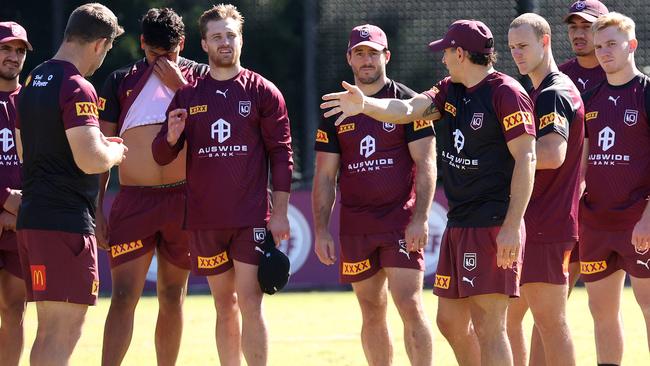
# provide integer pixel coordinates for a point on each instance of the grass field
(318, 328)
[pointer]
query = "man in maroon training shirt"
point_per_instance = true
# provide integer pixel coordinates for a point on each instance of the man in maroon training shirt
(234, 123)
(13, 48)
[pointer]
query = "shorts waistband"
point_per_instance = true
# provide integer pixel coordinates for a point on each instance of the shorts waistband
(162, 188)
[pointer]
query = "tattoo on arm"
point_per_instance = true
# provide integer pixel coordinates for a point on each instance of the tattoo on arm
(431, 110)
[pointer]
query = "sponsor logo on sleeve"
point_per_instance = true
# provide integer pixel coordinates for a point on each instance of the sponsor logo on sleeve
(552, 118)
(101, 105)
(592, 267)
(346, 128)
(198, 109)
(421, 124)
(515, 119)
(450, 109)
(321, 136)
(212, 262)
(442, 282)
(591, 115)
(94, 289)
(351, 269)
(120, 249)
(39, 280)
(86, 109)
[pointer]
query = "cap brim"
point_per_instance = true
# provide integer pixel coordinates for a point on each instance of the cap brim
(373, 45)
(588, 17)
(439, 45)
(9, 39)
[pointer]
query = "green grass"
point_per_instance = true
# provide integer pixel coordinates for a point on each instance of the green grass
(318, 328)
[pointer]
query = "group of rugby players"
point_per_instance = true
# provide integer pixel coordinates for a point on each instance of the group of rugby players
(517, 168)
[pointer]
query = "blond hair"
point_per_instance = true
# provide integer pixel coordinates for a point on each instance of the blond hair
(540, 25)
(623, 23)
(220, 12)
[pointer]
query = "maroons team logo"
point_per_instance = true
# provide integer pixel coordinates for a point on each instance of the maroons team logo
(364, 33)
(298, 247)
(388, 127)
(477, 121)
(244, 108)
(259, 234)
(631, 117)
(469, 262)
(580, 5)
(437, 224)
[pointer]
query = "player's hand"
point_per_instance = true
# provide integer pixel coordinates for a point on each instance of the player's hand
(348, 103)
(175, 125)
(169, 73)
(13, 201)
(120, 149)
(101, 230)
(324, 248)
(7, 222)
(641, 235)
(508, 246)
(279, 226)
(417, 234)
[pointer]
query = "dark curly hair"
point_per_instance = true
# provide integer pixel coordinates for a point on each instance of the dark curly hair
(162, 28)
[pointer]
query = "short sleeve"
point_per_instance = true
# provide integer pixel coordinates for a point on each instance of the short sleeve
(79, 103)
(438, 94)
(326, 137)
(109, 104)
(514, 110)
(553, 113)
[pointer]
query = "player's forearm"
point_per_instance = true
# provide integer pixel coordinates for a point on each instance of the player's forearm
(521, 187)
(390, 110)
(280, 203)
(103, 185)
(425, 186)
(322, 197)
(162, 152)
(99, 158)
(11, 199)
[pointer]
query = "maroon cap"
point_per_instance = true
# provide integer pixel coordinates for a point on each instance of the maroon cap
(10, 31)
(368, 35)
(588, 10)
(471, 35)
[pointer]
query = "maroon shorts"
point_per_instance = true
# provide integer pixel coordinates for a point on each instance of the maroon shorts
(9, 258)
(59, 266)
(145, 218)
(604, 252)
(364, 255)
(546, 263)
(212, 251)
(468, 265)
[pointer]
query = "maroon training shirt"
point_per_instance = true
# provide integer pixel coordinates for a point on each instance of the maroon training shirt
(234, 128)
(584, 79)
(9, 163)
(552, 214)
(618, 174)
(377, 173)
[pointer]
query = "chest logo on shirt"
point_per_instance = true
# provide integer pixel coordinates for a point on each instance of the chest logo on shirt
(606, 138)
(450, 109)
(477, 121)
(220, 130)
(198, 109)
(631, 116)
(515, 119)
(550, 119)
(584, 83)
(591, 115)
(346, 128)
(459, 140)
(223, 93)
(244, 108)
(367, 146)
(614, 100)
(388, 127)
(86, 109)
(7, 139)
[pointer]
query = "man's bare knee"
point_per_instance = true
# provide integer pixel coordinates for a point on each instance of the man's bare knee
(171, 296)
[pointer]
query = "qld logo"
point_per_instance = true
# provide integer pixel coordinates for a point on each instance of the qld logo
(477, 121)
(298, 247)
(244, 108)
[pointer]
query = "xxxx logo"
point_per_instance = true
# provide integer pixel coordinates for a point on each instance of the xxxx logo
(592, 267)
(198, 109)
(94, 289)
(86, 109)
(213, 262)
(442, 282)
(346, 128)
(591, 115)
(517, 118)
(420, 124)
(321, 136)
(119, 249)
(351, 269)
(450, 108)
(101, 104)
(552, 118)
